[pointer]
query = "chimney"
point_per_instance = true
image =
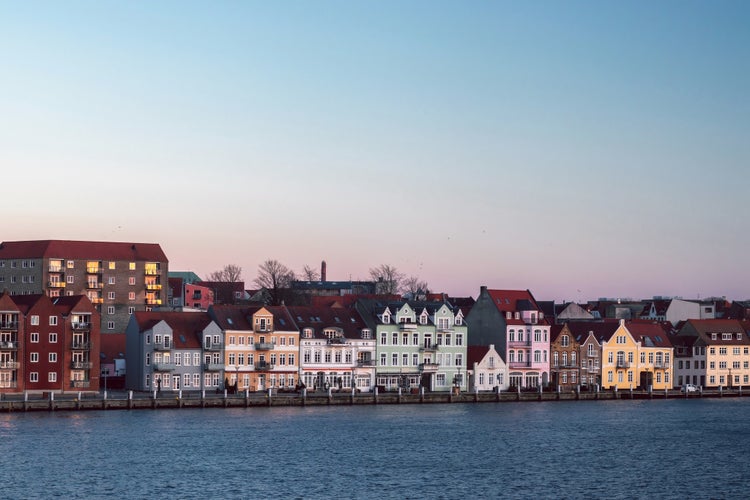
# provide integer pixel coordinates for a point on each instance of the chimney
(323, 271)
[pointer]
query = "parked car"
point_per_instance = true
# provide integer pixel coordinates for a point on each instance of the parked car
(689, 388)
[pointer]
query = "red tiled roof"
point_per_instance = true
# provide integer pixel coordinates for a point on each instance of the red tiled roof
(507, 300)
(68, 249)
(651, 330)
(475, 354)
(319, 318)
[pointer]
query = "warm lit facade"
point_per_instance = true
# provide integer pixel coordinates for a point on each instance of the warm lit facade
(727, 349)
(119, 278)
(262, 347)
(620, 359)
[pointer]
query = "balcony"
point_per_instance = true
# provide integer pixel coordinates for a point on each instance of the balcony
(9, 325)
(152, 271)
(153, 286)
(97, 300)
(519, 343)
(162, 346)
(55, 268)
(9, 365)
(80, 345)
(80, 326)
(94, 285)
(8, 384)
(263, 365)
(9, 344)
(428, 348)
(365, 362)
(337, 341)
(407, 326)
(263, 328)
(428, 367)
(264, 346)
(163, 367)
(81, 365)
(153, 302)
(80, 384)
(660, 365)
(623, 364)
(94, 269)
(519, 364)
(56, 284)
(213, 367)
(211, 346)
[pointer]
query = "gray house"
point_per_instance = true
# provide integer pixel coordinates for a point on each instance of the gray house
(172, 351)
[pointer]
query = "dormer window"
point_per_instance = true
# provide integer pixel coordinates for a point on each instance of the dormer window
(386, 318)
(508, 315)
(366, 334)
(517, 315)
(459, 320)
(423, 319)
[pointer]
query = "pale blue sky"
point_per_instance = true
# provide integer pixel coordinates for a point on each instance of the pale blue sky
(555, 146)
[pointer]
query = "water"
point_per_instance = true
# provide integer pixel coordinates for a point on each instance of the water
(605, 449)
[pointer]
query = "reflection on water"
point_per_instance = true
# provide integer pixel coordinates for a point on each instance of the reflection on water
(612, 449)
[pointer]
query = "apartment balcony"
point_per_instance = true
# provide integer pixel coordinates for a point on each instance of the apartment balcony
(518, 343)
(55, 268)
(10, 365)
(56, 284)
(337, 341)
(81, 365)
(80, 326)
(94, 269)
(153, 302)
(263, 365)
(519, 364)
(163, 367)
(9, 326)
(213, 367)
(153, 286)
(623, 364)
(428, 367)
(150, 271)
(94, 285)
(261, 329)
(80, 346)
(97, 300)
(264, 346)
(365, 362)
(7, 384)
(428, 348)
(407, 326)
(162, 346)
(212, 347)
(9, 345)
(660, 365)
(80, 384)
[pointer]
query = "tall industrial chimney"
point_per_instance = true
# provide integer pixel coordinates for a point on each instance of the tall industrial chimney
(323, 271)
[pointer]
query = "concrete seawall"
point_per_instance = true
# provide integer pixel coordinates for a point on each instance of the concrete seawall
(138, 401)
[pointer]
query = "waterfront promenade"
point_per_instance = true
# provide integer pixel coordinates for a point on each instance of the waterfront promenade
(124, 400)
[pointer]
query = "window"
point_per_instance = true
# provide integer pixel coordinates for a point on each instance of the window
(110, 325)
(69, 278)
(131, 266)
(53, 338)
(34, 357)
(53, 321)
(111, 295)
(111, 280)
(131, 295)
(111, 265)
(440, 379)
(35, 337)
(110, 309)
(565, 341)
(459, 339)
(131, 310)
(131, 280)
(415, 359)
(383, 359)
(415, 339)
(53, 357)
(394, 359)
(394, 339)
(383, 338)
(34, 377)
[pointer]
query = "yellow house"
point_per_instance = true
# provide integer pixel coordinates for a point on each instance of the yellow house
(655, 357)
(620, 359)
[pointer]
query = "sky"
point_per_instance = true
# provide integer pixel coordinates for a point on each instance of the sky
(579, 149)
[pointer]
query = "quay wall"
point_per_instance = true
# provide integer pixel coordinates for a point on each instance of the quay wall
(139, 401)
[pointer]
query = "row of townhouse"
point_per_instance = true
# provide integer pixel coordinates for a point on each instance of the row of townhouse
(48, 344)
(390, 345)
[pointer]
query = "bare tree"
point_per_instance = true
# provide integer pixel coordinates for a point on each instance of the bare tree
(388, 279)
(310, 273)
(415, 288)
(231, 273)
(276, 278)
